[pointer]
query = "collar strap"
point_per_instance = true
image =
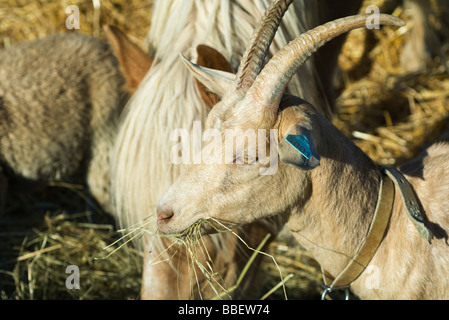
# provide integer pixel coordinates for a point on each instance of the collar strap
(366, 251)
(390, 178)
(410, 202)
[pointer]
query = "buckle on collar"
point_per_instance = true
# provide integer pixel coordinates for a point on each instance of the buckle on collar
(328, 289)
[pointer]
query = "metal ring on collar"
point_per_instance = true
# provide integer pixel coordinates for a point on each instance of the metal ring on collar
(328, 290)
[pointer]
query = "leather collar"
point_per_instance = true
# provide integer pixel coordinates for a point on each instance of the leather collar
(390, 178)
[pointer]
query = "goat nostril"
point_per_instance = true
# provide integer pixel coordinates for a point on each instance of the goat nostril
(165, 215)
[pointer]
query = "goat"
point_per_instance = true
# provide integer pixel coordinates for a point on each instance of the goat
(60, 101)
(327, 193)
(168, 99)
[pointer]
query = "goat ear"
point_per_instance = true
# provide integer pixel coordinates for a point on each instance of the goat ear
(298, 149)
(134, 63)
(216, 81)
(210, 58)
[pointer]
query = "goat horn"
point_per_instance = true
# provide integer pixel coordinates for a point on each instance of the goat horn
(270, 85)
(262, 37)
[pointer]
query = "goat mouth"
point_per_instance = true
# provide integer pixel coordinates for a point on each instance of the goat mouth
(201, 227)
(205, 226)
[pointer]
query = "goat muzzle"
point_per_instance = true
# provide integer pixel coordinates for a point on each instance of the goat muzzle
(163, 218)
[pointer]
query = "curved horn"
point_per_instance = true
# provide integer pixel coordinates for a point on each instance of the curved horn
(262, 37)
(270, 85)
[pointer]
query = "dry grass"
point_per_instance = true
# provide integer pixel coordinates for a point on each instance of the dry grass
(201, 266)
(26, 20)
(390, 114)
(49, 231)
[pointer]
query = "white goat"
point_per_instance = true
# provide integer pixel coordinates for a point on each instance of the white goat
(328, 194)
(169, 99)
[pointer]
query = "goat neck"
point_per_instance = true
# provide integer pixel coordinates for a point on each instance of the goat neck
(342, 195)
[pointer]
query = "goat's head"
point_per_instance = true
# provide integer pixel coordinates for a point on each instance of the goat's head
(234, 191)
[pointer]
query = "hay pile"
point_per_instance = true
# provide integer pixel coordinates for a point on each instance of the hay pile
(26, 20)
(44, 233)
(389, 113)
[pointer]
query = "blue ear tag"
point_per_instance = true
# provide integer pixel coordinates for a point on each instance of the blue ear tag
(300, 143)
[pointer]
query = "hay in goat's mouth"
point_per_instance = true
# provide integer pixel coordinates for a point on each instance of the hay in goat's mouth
(201, 263)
